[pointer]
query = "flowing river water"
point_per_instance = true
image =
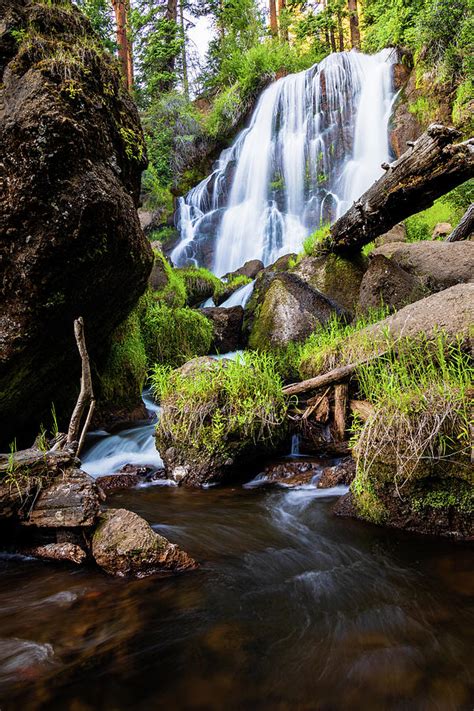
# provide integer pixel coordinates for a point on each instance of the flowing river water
(291, 608)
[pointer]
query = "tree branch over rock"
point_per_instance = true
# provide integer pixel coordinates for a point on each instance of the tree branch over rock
(432, 166)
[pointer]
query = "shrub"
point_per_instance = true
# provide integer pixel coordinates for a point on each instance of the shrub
(173, 336)
(220, 409)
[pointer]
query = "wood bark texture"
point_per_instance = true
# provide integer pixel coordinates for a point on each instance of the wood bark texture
(86, 394)
(431, 167)
(465, 229)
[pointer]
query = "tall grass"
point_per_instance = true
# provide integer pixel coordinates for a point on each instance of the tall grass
(421, 390)
(220, 408)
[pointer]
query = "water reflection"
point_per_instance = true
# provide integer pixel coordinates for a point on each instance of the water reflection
(291, 609)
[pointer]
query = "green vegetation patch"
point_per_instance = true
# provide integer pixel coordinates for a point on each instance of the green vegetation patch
(219, 409)
(173, 336)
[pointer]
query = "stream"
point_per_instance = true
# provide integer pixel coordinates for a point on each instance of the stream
(291, 608)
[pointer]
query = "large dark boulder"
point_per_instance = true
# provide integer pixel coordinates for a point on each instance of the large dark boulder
(227, 325)
(72, 152)
(386, 283)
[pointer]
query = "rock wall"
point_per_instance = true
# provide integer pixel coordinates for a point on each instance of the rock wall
(72, 156)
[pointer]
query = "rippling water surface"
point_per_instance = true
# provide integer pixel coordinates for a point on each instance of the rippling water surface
(291, 609)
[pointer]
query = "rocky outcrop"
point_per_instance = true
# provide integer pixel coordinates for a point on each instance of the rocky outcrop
(72, 153)
(227, 327)
(438, 265)
(385, 283)
(124, 545)
(396, 234)
(405, 125)
(250, 269)
(287, 310)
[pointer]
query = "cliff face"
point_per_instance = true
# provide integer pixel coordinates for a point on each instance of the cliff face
(72, 153)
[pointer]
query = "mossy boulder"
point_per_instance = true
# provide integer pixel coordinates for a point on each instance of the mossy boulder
(73, 152)
(124, 545)
(166, 283)
(337, 278)
(287, 311)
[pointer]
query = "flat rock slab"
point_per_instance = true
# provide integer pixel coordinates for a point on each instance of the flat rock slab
(69, 501)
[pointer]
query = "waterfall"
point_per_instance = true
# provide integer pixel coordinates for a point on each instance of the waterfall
(315, 143)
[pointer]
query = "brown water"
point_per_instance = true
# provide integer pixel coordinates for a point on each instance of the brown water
(291, 609)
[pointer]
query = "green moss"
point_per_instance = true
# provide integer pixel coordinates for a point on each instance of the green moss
(173, 293)
(264, 316)
(463, 107)
(133, 143)
(123, 376)
(367, 503)
(200, 284)
(445, 493)
(174, 335)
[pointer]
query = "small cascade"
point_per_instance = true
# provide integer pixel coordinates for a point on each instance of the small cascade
(240, 297)
(135, 445)
(295, 445)
(315, 143)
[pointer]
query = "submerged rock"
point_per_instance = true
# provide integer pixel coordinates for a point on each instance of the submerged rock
(124, 545)
(73, 152)
(128, 477)
(293, 473)
(67, 552)
(227, 326)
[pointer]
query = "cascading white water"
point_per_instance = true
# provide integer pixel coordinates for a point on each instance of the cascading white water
(315, 143)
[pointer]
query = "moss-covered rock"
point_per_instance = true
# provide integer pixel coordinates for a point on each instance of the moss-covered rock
(289, 310)
(337, 278)
(167, 283)
(73, 153)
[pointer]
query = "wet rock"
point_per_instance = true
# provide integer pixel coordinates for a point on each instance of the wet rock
(73, 152)
(227, 326)
(339, 474)
(404, 124)
(337, 278)
(438, 265)
(283, 264)
(289, 311)
(386, 283)
(69, 500)
(67, 552)
(442, 229)
(128, 477)
(250, 269)
(124, 545)
(396, 234)
(292, 473)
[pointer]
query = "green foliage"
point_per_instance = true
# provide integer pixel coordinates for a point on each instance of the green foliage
(329, 346)
(163, 235)
(173, 336)
(218, 409)
(420, 390)
(173, 293)
(101, 18)
(445, 493)
(311, 243)
(450, 208)
(123, 376)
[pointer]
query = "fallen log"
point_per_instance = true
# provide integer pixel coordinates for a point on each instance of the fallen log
(431, 167)
(337, 375)
(465, 229)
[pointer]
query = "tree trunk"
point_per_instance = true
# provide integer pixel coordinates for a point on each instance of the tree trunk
(340, 31)
(124, 43)
(465, 229)
(430, 168)
(284, 28)
(273, 18)
(333, 39)
(354, 23)
(172, 10)
(340, 409)
(184, 56)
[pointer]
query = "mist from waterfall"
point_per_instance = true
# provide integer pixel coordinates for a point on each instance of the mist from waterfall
(315, 143)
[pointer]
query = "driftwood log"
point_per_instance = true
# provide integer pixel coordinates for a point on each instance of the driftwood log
(86, 394)
(432, 166)
(465, 229)
(338, 375)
